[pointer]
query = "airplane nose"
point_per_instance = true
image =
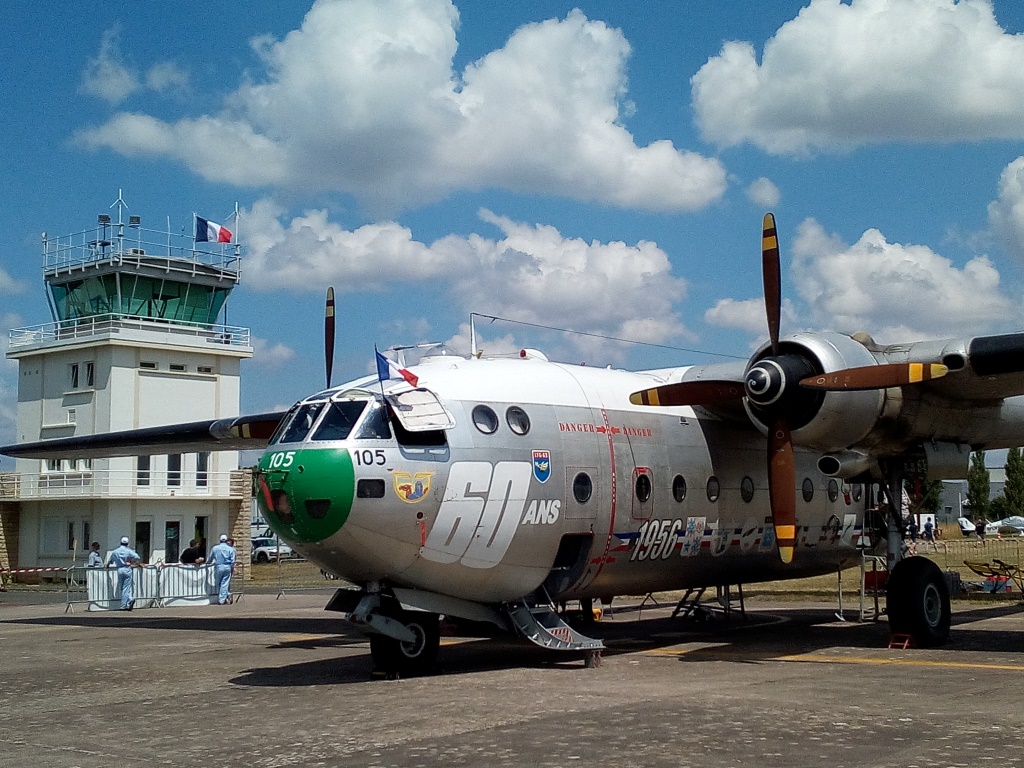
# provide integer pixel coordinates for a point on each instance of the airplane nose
(306, 495)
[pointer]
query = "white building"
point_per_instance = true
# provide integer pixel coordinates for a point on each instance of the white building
(134, 342)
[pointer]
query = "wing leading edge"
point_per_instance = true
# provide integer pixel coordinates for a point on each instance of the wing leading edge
(231, 434)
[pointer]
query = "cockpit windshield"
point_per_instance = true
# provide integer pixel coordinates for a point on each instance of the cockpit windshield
(341, 416)
(300, 424)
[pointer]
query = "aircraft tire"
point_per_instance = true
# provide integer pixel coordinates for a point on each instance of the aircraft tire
(917, 601)
(416, 658)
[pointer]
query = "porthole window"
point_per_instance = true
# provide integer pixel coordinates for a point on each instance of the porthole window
(485, 419)
(518, 420)
(808, 489)
(642, 486)
(582, 488)
(856, 493)
(833, 490)
(679, 488)
(747, 489)
(714, 488)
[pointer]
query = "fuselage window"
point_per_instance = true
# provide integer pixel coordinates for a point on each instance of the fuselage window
(375, 425)
(518, 420)
(582, 488)
(833, 490)
(341, 416)
(856, 492)
(714, 488)
(747, 489)
(300, 424)
(643, 487)
(808, 489)
(485, 419)
(679, 488)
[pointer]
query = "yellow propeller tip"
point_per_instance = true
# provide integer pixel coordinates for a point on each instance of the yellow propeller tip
(786, 554)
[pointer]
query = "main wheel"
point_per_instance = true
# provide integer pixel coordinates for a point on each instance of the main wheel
(917, 601)
(262, 557)
(418, 657)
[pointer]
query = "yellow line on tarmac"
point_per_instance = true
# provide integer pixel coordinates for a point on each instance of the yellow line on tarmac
(846, 660)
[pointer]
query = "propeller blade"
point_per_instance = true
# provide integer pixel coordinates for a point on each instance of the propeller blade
(782, 487)
(329, 335)
(875, 377)
(690, 393)
(772, 275)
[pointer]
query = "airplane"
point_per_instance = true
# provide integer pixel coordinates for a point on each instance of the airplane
(492, 489)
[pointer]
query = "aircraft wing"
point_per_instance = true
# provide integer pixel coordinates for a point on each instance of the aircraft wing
(231, 434)
(982, 368)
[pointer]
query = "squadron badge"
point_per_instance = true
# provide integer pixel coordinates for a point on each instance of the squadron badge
(542, 465)
(410, 487)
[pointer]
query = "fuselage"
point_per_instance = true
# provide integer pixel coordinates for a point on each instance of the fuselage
(508, 474)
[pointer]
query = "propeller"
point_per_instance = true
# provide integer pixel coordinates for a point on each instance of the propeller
(329, 335)
(777, 386)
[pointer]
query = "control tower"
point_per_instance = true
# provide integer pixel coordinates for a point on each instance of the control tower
(137, 338)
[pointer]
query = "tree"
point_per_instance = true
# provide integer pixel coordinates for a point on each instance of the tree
(1013, 490)
(978, 486)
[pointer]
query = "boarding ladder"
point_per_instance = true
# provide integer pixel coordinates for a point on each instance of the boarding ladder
(536, 619)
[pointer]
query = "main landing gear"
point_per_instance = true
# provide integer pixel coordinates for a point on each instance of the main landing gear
(917, 602)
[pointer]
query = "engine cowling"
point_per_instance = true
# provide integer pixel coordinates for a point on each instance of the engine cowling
(824, 421)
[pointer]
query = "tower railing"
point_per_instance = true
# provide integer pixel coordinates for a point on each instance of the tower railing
(111, 324)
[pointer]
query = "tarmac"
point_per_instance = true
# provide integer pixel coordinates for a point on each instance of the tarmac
(275, 681)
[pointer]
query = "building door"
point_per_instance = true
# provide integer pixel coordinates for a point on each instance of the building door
(172, 541)
(202, 523)
(144, 539)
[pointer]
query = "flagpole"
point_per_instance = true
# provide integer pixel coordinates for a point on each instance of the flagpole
(384, 398)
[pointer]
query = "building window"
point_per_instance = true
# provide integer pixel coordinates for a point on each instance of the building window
(142, 473)
(90, 374)
(174, 469)
(73, 376)
(202, 469)
(149, 366)
(177, 367)
(172, 541)
(72, 416)
(205, 369)
(71, 536)
(53, 465)
(86, 535)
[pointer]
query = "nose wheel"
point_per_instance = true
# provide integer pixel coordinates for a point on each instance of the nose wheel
(407, 658)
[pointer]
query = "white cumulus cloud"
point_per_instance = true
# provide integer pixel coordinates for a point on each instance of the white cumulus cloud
(269, 354)
(529, 272)
(363, 99)
(763, 193)
(109, 77)
(894, 291)
(1006, 212)
(841, 75)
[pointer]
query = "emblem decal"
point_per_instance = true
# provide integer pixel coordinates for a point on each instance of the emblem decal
(411, 487)
(542, 465)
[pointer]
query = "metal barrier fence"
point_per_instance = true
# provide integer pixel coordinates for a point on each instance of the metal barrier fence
(295, 574)
(154, 586)
(950, 554)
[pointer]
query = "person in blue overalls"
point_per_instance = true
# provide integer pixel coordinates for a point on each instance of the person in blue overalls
(123, 558)
(222, 556)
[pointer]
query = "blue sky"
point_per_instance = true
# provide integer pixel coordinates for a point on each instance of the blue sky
(599, 166)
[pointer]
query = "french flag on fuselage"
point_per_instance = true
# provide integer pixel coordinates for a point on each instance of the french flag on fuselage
(211, 232)
(386, 366)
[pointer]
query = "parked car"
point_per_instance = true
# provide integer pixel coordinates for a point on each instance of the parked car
(1008, 526)
(266, 549)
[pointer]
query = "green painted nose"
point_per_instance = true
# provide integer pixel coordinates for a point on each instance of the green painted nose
(306, 495)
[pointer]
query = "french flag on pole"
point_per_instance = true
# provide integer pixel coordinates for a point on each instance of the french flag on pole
(386, 366)
(211, 232)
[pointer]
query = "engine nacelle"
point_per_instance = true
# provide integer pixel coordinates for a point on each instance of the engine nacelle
(825, 421)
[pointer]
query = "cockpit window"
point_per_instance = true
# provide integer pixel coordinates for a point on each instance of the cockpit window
(300, 424)
(375, 425)
(341, 416)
